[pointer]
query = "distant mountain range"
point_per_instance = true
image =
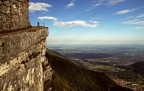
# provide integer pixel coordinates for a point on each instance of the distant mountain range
(70, 77)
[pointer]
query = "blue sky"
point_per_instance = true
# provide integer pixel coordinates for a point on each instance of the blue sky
(90, 21)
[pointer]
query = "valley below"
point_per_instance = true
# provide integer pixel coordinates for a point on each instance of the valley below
(122, 63)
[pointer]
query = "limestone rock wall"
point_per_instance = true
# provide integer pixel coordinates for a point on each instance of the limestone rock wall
(13, 15)
(23, 66)
(12, 43)
(47, 76)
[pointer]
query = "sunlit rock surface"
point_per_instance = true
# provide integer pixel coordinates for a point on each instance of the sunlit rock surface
(13, 15)
(23, 66)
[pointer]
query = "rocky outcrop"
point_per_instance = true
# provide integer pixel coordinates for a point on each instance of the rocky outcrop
(47, 76)
(13, 43)
(23, 66)
(13, 15)
(21, 57)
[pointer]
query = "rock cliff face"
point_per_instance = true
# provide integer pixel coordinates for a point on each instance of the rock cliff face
(13, 15)
(23, 66)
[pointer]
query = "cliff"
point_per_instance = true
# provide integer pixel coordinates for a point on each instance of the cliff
(21, 57)
(22, 49)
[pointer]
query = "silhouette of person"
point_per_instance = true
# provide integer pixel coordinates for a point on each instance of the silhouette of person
(37, 23)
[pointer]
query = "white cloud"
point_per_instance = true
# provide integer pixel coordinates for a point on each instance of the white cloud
(47, 18)
(39, 6)
(76, 23)
(82, 23)
(94, 6)
(140, 16)
(124, 11)
(134, 22)
(137, 21)
(114, 2)
(93, 21)
(130, 10)
(70, 5)
(97, 3)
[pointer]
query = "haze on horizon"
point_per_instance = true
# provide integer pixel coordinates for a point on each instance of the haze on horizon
(90, 21)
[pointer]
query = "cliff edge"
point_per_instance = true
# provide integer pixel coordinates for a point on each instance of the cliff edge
(22, 49)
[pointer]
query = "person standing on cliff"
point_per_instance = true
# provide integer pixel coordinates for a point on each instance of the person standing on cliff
(37, 23)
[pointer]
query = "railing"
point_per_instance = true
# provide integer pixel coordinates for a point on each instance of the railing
(39, 24)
